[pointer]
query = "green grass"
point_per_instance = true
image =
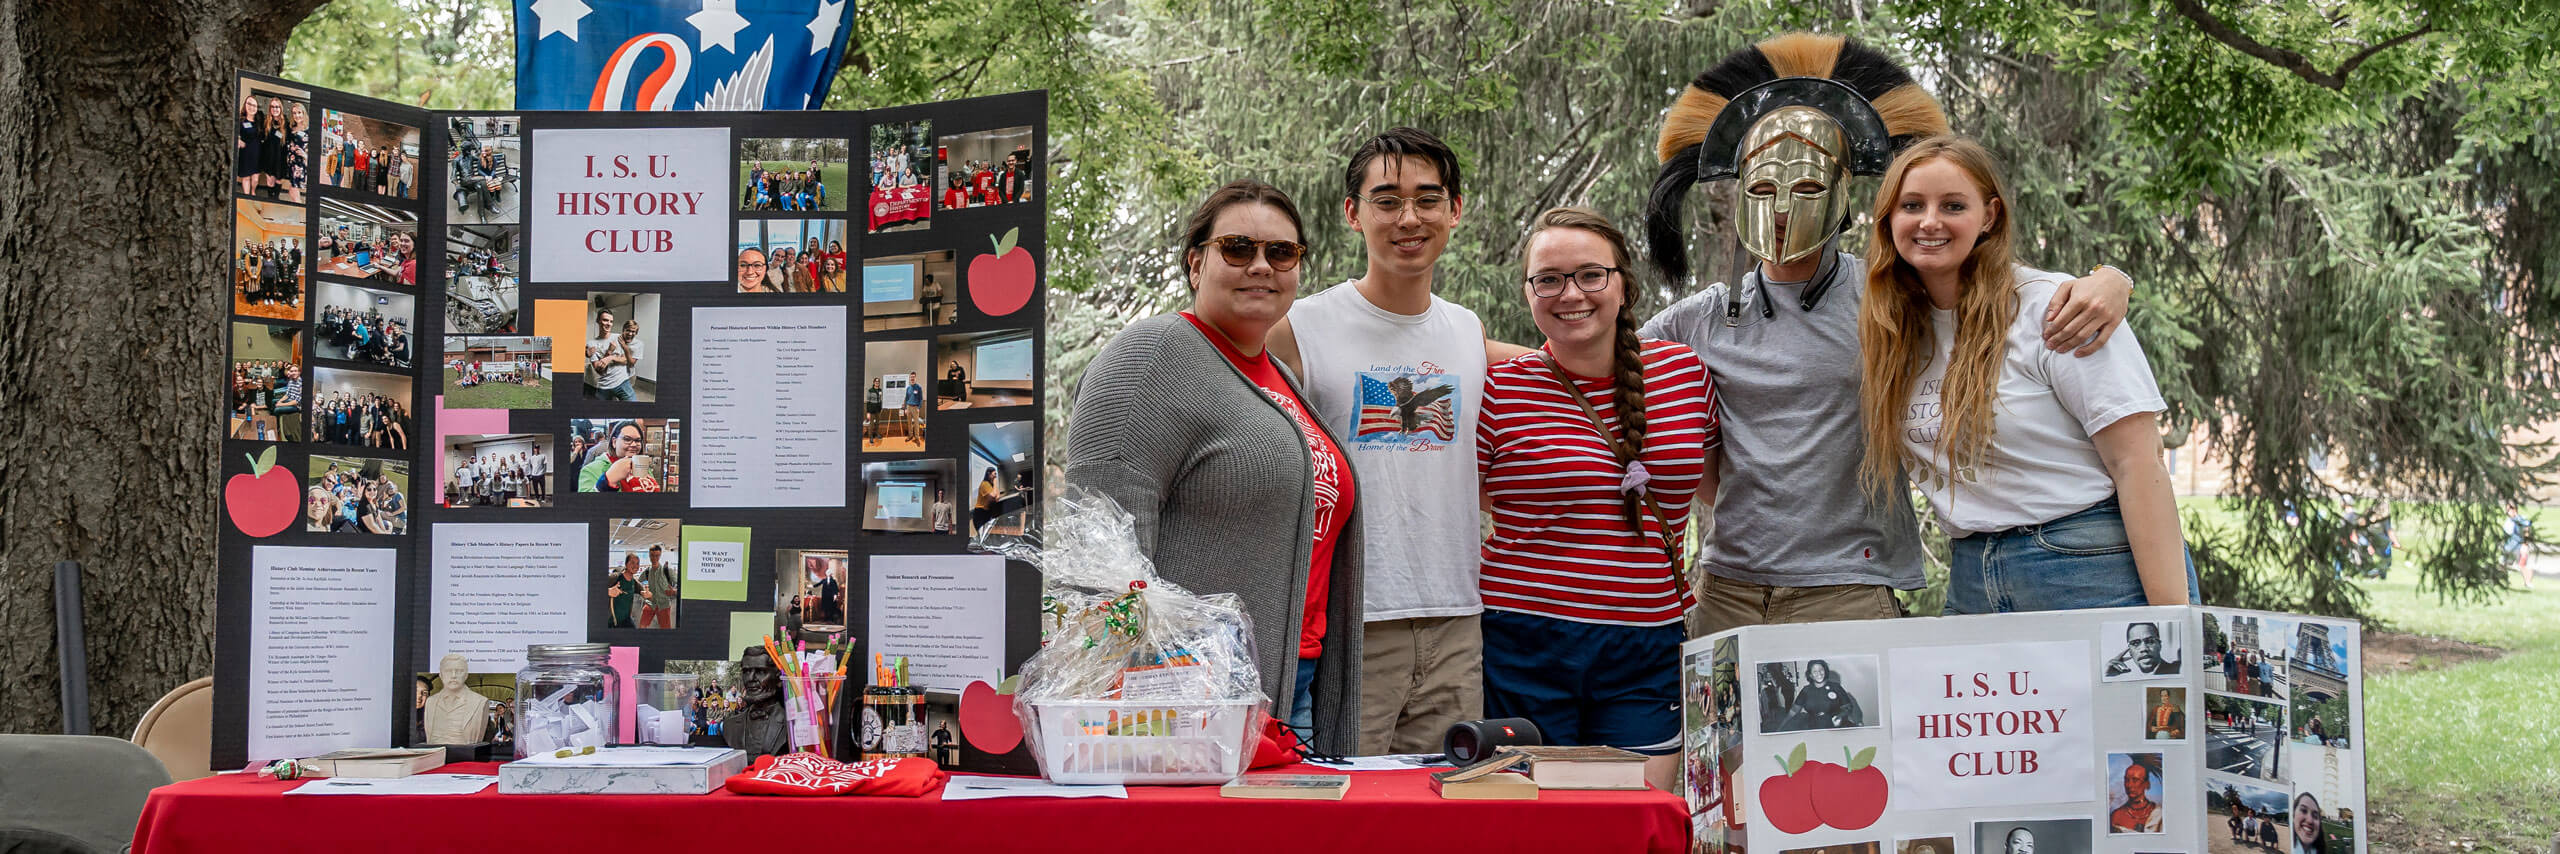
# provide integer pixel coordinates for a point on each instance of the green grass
(497, 395)
(835, 175)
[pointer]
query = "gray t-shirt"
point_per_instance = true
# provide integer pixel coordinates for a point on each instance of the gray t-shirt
(1789, 509)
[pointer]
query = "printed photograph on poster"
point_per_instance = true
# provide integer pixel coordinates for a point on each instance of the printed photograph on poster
(809, 590)
(909, 291)
(2164, 714)
(457, 707)
(358, 324)
(715, 690)
(622, 347)
(483, 162)
(901, 180)
(2318, 832)
(2318, 673)
(2244, 737)
(640, 587)
(2325, 801)
(481, 271)
(497, 372)
(266, 383)
(989, 167)
(376, 243)
(1726, 724)
(369, 155)
(908, 497)
(267, 268)
(359, 408)
(2033, 836)
(791, 256)
(1925, 845)
(893, 407)
(271, 158)
(626, 455)
(2141, 649)
(981, 370)
(497, 470)
(1818, 693)
(356, 494)
(2136, 787)
(2242, 817)
(1003, 473)
(2247, 653)
(793, 174)
(1840, 848)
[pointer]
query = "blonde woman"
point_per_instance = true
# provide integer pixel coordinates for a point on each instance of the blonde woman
(2043, 468)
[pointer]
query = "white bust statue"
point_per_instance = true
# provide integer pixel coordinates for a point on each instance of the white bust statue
(455, 713)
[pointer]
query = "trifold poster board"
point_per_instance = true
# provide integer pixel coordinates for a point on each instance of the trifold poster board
(2117, 731)
(666, 381)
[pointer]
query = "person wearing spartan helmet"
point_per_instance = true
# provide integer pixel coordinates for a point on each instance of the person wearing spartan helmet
(1798, 537)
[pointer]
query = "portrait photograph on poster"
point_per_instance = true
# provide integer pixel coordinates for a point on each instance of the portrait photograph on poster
(356, 494)
(908, 496)
(626, 455)
(1837, 848)
(893, 395)
(640, 573)
(482, 162)
(2164, 714)
(497, 372)
(1925, 845)
(2324, 810)
(360, 408)
(2141, 650)
(2243, 736)
(267, 276)
(909, 291)
(622, 347)
(791, 256)
(989, 167)
(2242, 817)
(1003, 472)
(900, 183)
(376, 243)
(2135, 789)
(1818, 693)
(359, 324)
(271, 157)
(980, 370)
(369, 155)
(2247, 653)
(496, 470)
(473, 708)
(2319, 669)
(715, 690)
(808, 591)
(266, 382)
(793, 174)
(2032, 836)
(481, 269)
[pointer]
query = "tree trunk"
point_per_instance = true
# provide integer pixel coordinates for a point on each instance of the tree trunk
(114, 296)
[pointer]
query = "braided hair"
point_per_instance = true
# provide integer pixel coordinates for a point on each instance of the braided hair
(1627, 363)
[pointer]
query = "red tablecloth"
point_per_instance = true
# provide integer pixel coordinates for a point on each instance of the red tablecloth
(893, 205)
(1385, 811)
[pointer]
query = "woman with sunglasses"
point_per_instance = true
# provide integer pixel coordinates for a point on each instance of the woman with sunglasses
(1188, 424)
(1592, 448)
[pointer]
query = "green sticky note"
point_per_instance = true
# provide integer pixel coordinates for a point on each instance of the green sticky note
(715, 562)
(746, 629)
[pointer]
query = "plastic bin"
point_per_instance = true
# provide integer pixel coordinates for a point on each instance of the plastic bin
(1149, 742)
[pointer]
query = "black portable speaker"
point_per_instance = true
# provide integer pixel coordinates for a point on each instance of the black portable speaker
(1474, 740)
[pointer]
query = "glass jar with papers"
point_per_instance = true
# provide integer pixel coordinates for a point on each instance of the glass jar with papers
(565, 698)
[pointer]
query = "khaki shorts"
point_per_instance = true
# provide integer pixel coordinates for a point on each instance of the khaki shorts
(1418, 678)
(1725, 603)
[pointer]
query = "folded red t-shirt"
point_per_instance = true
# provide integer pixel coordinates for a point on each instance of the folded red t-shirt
(809, 774)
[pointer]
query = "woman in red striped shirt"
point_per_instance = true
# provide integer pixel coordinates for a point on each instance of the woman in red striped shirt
(1592, 449)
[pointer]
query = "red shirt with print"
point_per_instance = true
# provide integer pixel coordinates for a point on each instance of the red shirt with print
(1334, 490)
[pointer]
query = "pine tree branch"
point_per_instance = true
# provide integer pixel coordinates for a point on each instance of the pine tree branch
(2288, 60)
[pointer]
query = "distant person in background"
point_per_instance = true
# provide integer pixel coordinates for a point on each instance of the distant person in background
(658, 591)
(930, 298)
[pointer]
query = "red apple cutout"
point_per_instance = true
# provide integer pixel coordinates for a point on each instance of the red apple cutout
(987, 719)
(1853, 796)
(1787, 799)
(1001, 283)
(263, 501)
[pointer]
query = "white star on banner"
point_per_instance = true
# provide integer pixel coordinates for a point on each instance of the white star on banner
(559, 16)
(822, 29)
(719, 22)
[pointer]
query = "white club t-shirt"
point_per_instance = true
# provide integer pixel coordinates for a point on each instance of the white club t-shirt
(2041, 465)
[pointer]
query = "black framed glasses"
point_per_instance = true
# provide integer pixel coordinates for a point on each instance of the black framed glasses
(1239, 251)
(1590, 280)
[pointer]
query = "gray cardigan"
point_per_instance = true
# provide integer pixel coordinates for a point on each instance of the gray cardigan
(1223, 494)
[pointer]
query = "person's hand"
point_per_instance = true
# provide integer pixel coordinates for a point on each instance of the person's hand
(612, 592)
(617, 473)
(2084, 311)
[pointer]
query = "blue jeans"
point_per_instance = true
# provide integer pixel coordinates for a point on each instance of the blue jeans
(618, 391)
(1302, 702)
(2083, 560)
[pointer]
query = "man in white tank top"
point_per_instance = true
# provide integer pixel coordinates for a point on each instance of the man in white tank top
(1397, 372)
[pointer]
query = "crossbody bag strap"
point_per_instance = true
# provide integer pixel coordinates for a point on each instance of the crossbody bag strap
(1574, 390)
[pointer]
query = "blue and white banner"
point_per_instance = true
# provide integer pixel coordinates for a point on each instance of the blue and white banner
(678, 54)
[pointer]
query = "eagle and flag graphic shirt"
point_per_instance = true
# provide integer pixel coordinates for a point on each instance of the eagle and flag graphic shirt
(678, 54)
